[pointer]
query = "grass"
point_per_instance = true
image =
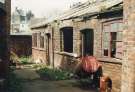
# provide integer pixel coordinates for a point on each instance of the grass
(54, 74)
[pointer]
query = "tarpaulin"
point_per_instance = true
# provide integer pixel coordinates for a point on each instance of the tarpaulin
(90, 64)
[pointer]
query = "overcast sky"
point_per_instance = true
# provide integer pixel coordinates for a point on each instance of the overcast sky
(44, 7)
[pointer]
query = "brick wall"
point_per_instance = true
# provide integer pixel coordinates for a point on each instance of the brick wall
(114, 72)
(128, 69)
(39, 55)
(93, 24)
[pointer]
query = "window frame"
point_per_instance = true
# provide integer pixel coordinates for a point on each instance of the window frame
(42, 38)
(63, 48)
(108, 23)
(35, 40)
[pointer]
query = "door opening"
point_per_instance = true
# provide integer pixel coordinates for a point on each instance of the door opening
(48, 48)
(87, 42)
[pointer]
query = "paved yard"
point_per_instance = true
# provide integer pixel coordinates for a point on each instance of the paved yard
(33, 83)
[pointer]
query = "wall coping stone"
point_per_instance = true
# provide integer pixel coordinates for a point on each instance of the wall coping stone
(67, 54)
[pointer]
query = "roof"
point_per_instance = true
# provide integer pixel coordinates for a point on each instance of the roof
(85, 8)
(92, 8)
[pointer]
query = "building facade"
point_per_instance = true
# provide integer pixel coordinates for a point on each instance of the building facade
(93, 28)
(5, 8)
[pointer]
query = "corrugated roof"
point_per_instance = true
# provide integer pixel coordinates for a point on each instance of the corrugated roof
(96, 7)
(85, 8)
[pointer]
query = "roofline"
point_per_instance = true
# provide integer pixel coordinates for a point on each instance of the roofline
(81, 16)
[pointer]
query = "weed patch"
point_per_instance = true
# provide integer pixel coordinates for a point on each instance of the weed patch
(54, 74)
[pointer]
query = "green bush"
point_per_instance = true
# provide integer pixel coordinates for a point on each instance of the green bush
(25, 60)
(54, 74)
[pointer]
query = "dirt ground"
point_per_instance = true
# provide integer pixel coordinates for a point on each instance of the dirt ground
(33, 83)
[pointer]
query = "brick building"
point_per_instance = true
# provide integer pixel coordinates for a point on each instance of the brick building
(128, 69)
(5, 7)
(95, 29)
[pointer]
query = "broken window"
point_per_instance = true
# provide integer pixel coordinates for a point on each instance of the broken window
(67, 39)
(112, 39)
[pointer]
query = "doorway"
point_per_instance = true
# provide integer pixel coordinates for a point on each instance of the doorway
(48, 47)
(87, 42)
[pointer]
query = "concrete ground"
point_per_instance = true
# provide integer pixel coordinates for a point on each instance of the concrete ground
(33, 83)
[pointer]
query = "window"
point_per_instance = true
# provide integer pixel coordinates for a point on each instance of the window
(106, 44)
(112, 39)
(113, 44)
(41, 40)
(34, 39)
(67, 39)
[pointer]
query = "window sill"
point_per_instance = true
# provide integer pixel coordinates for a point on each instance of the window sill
(67, 54)
(41, 49)
(110, 60)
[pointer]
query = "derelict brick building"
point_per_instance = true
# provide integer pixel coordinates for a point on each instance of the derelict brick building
(89, 29)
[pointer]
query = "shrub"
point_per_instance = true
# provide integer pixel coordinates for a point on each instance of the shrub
(25, 60)
(54, 74)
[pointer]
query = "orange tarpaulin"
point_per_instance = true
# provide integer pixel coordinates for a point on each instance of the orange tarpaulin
(90, 64)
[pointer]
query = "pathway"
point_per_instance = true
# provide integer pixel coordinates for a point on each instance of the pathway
(33, 83)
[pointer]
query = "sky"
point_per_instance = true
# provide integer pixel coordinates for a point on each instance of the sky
(42, 8)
